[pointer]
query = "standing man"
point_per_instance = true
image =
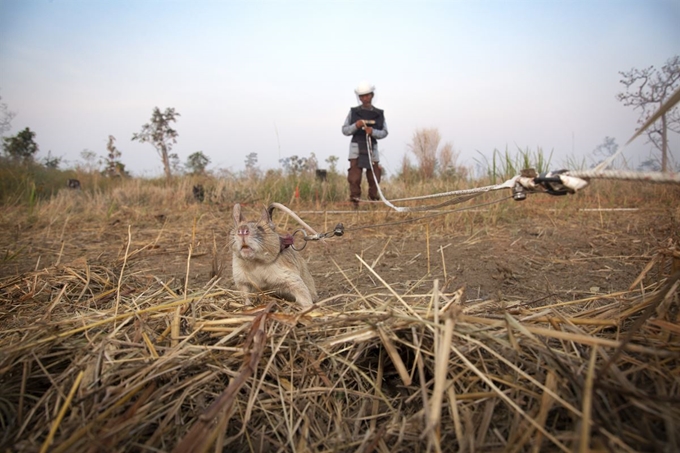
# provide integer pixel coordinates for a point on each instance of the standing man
(364, 121)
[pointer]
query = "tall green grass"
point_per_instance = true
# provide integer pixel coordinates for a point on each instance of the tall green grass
(504, 165)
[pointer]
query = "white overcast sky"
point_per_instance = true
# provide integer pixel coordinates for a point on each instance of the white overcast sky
(277, 78)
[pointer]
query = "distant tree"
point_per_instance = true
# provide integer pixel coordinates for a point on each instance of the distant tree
(159, 133)
(647, 89)
(296, 166)
(293, 165)
(91, 162)
(311, 164)
(22, 147)
(251, 160)
(332, 162)
(425, 147)
(448, 162)
(197, 162)
(424, 144)
(650, 164)
(113, 165)
(51, 161)
(5, 118)
(252, 170)
(607, 148)
(286, 163)
(175, 164)
(447, 156)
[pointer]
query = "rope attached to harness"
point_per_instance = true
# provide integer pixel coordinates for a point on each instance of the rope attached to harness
(558, 183)
(463, 195)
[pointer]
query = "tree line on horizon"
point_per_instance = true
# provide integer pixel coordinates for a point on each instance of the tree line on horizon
(645, 90)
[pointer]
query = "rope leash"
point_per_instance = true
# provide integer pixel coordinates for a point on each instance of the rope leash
(655, 177)
(553, 183)
(463, 195)
(340, 230)
(557, 183)
(401, 222)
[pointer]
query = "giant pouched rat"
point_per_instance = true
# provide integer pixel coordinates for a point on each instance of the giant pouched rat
(263, 261)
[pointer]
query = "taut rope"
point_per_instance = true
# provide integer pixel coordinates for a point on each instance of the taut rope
(554, 183)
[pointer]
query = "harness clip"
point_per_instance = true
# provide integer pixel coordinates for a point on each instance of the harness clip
(339, 230)
(519, 193)
(304, 236)
(552, 183)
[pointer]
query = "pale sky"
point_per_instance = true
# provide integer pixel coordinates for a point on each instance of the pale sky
(277, 78)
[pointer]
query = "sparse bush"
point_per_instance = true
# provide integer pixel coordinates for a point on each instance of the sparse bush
(21, 147)
(114, 167)
(424, 145)
(196, 163)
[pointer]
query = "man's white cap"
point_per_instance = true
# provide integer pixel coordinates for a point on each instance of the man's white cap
(364, 88)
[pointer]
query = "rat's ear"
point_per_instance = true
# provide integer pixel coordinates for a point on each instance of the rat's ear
(266, 219)
(238, 217)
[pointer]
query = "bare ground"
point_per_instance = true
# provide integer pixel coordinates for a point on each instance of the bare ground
(534, 254)
(543, 251)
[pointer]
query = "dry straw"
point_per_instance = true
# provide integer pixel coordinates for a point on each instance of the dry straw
(99, 368)
(102, 354)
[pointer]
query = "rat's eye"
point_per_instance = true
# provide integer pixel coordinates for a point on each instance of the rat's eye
(259, 227)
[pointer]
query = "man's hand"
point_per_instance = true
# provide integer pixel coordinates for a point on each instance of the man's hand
(361, 124)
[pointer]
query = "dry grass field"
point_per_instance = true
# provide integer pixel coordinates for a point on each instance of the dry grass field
(544, 325)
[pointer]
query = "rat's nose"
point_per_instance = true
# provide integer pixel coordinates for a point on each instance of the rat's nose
(243, 231)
